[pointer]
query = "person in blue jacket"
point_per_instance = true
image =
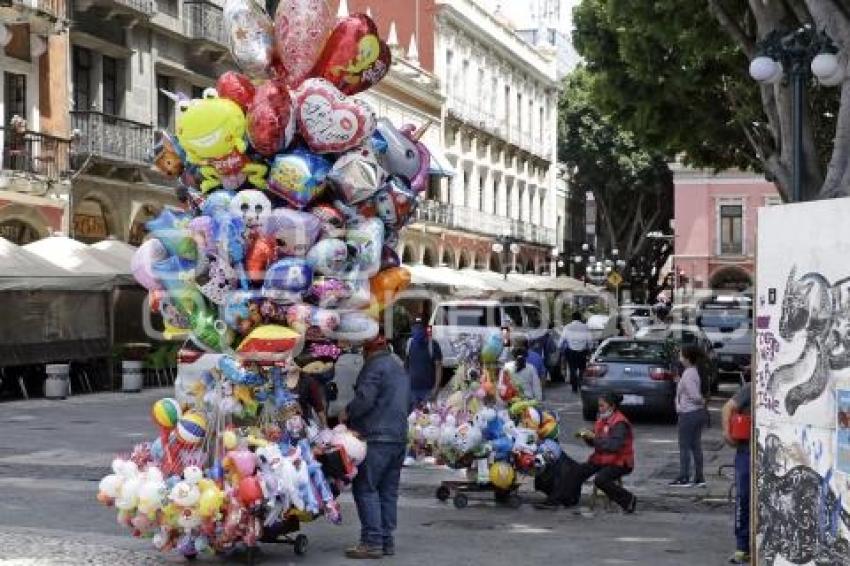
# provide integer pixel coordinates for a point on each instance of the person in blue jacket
(378, 413)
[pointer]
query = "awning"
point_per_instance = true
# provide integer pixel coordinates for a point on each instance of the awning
(26, 271)
(440, 164)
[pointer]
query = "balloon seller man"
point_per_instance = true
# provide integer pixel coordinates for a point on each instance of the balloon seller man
(378, 413)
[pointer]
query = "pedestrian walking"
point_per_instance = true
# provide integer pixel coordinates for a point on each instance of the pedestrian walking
(424, 363)
(522, 374)
(575, 343)
(534, 358)
(378, 413)
(738, 407)
(693, 416)
(613, 457)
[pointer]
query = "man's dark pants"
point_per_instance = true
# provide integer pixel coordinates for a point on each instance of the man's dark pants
(577, 360)
(742, 500)
(375, 490)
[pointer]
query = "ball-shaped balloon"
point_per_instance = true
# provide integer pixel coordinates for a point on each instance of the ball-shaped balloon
(492, 348)
(250, 491)
(502, 475)
(166, 413)
(191, 429)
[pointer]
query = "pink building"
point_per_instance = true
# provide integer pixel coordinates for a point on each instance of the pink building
(715, 227)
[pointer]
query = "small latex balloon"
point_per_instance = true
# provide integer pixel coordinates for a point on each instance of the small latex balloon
(288, 274)
(166, 413)
(332, 220)
(236, 87)
(191, 429)
(250, 491)
(356, 175)
(211, 501)
(271, 123)
(355, 327)
(270, 342)
(298, 177)
(149, 254)
(329, 121)
(329, 257)
(355, 58)
(301, 29)
(250, 33)
(403, 153)
(169, 158)
(295, 232)
(394, 204)
(492, 348)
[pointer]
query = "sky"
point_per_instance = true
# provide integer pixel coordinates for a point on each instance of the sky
(518, 10)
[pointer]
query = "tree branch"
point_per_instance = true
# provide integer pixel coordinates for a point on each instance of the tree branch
(745, 42)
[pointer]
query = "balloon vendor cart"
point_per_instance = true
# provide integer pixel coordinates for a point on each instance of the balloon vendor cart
(293, 194)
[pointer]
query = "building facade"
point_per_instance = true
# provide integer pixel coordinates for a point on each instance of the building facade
(715, 228)
(498, 134)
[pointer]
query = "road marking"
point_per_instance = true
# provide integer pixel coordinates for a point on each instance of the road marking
(61, 457)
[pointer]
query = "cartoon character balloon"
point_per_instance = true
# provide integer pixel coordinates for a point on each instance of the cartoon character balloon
(212, 132)
(355, 58)
(294, 231)
(404, 154)
(298, 177)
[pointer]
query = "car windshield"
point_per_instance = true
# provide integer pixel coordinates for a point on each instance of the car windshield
(514, 315)
(534, 317)
(467, 316)
(633, 351)
(724, 319)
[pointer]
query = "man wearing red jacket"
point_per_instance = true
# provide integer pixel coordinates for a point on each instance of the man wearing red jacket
(613, 455)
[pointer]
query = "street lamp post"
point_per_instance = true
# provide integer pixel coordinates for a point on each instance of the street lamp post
(797, 55)
(503, 245)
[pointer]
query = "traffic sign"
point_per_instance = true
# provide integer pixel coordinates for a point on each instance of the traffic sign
(615, 279)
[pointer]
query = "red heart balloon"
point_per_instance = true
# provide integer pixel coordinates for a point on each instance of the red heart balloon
(354, 58)
(236, 87)
(270, 119)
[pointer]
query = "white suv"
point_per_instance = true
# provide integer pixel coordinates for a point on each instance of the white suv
(452, 320)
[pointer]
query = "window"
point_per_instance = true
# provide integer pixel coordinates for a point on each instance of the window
(731, 233)
(534, 318)
(507, 106)
(198, 91)
(466, 316)
(164, 105)
(512, 316)
(483, 95)
(481, 193)
(15, 97)
(531, 117)
(462, 78)
(521, 198)
(494, 85)
(433, 188)
(449, 73)
(82, 79)
(774, 200)
(508, 202)
(541, 126)
(111, 89)
(519, 112)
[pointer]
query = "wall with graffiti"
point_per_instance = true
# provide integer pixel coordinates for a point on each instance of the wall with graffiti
(801, 375)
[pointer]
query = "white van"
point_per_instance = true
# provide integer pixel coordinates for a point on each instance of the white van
(452, 320)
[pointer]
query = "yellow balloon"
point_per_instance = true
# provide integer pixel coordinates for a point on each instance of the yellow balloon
(170, 513)
(502, 475)
(211, 501)
(230, 439)
(205, 484)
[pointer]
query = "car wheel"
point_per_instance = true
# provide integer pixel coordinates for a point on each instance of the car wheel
(588, 411)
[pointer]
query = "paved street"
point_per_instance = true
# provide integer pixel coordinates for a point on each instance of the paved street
(53, 453)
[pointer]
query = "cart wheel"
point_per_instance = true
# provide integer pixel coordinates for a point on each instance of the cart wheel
(190, 557)
(301, 542)
(443, 493)
(513, 500)
(460, 501)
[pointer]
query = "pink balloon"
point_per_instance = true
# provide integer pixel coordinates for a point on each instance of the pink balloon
(148, 254)
(301, 29)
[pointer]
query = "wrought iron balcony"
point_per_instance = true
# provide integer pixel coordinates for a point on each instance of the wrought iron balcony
(473, 220)
(111, 138)
(204, 22)
(35, 153)
(129, 8)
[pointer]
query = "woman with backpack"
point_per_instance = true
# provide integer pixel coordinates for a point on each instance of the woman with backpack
(693, 417)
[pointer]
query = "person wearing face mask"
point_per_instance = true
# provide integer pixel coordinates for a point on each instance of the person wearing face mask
(613, 455)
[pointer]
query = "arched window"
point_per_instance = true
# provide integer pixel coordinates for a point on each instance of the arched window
(407, 255)
(18, 232)
(90, 223)
(428, 258)
(138, 231)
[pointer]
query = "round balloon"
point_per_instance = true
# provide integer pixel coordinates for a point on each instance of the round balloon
(298, 177)
(355, 327)
(502, 475)
(329, 257)
(301, 29)
(191, 429)
(289, 274)
(166, 413)
(389, 283)
(236, 87)
(141, 266)
(250, 491)
(251, 35)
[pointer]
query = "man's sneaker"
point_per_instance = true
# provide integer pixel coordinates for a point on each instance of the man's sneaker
(632, 506)
(389, 550)
(363, 552)
(699, 483)
(740, 557)
(679, 482)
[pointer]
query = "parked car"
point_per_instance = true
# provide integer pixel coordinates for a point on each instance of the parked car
(642, 370)
(731, 333)
(453, 320)
(192, 363)
(640, 315)
(689, 335)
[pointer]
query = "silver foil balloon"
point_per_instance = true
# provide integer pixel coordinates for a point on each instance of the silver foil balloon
(251, 35)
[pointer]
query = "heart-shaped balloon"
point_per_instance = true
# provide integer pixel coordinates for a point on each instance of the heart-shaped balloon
(354, 58)
(250, 33)
(236, 87)
(298, 177)
(271, 123)
(301, 29)
(329, 121)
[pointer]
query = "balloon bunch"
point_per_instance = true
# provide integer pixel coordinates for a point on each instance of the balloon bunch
(482, 417)
(295, 191)
(207, 485)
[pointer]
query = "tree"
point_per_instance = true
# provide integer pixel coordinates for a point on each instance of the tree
(676, 73)
(632, 187)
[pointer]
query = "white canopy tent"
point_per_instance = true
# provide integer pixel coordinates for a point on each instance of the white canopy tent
(80, 258)
(115, 253)
(23, 270)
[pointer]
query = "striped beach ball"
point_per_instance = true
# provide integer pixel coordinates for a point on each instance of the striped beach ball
(166, 413)
(191, 429)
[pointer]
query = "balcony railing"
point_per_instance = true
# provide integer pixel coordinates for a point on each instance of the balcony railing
(147, 7)
(203, 22)
(111, 138)
(35, 153)
(55, 9)
(472, 220)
